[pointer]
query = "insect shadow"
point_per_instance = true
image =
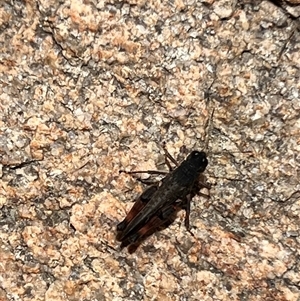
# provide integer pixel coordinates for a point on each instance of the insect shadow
(157, 207)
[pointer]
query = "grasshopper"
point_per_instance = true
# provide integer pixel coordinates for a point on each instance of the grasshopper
(157, 206)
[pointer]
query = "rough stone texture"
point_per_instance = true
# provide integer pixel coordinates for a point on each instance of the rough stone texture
(91, 87)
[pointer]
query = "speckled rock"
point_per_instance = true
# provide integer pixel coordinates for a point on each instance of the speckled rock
(91, 87)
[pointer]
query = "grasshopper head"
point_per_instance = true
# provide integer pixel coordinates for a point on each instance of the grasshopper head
(197, 160)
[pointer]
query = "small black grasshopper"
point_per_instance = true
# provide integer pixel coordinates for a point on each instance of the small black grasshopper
(157, 206)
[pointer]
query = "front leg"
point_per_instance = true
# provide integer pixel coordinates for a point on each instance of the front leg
(186, 205)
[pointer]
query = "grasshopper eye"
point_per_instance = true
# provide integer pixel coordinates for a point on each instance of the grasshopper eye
(198, 155)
